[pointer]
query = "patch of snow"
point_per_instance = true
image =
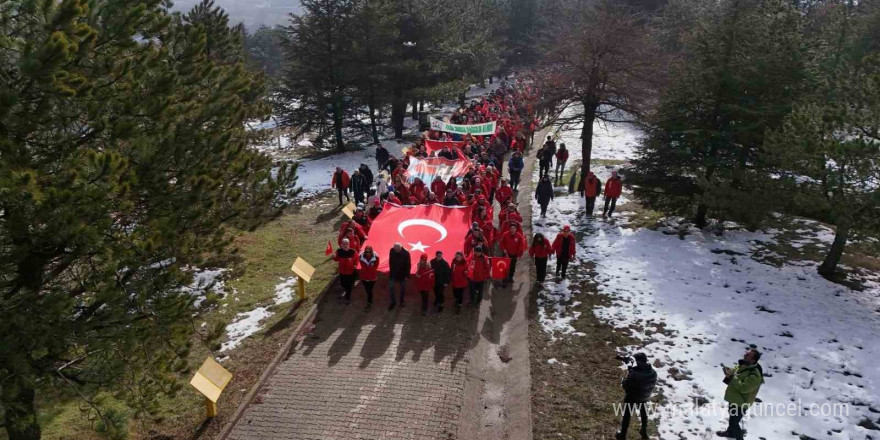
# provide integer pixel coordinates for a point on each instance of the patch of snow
(245, 325)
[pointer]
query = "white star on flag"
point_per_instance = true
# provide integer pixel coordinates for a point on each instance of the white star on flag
(418, 247)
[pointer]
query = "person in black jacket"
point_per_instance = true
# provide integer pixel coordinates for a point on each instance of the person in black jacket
(637, 386)
(368, 174)
(382, 156)
(359, 187)
(544, 194)
(442, 277)
(399, 266)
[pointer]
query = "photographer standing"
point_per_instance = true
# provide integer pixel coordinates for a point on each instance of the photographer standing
(743, 383)
(637, 386)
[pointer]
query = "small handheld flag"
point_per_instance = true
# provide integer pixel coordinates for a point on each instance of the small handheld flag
(500, 267)
(329, 249)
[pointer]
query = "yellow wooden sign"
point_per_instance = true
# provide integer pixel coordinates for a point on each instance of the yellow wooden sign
(349, 209)
(211, 379)
(303, 269)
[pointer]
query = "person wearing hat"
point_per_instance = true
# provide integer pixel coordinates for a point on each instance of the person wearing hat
(459, 278)
(369, 266)
(513, 245)
(637, 387)
(479, 269)
(743, 382)
(564, 247)
(424, 280)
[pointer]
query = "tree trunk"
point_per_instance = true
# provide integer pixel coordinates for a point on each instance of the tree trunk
(587, 139)
(421, 105)
(830, 264)
(20, 414)
(337, 123)
(700, 218)
(398, 113)
(373, 128)
(490, 79)
(415, 109)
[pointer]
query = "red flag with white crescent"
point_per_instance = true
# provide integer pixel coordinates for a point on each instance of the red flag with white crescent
(500, 267)
(420, 229)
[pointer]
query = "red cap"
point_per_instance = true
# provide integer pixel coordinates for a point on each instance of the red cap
(566, 228)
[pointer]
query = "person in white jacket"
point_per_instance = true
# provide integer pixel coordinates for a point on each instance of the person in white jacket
(382, 185)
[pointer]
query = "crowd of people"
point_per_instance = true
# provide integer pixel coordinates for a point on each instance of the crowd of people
(492, 232)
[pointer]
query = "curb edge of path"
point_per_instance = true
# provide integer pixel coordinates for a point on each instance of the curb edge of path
(279, 356)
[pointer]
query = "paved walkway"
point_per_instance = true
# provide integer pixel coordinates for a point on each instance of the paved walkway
(398, 375)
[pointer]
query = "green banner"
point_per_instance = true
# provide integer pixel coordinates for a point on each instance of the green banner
(485, 129)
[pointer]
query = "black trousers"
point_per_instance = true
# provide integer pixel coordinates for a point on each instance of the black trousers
(543, 169)
(628, 408)
(347, 282)
(358, 197)
(561, 266)
(342, 192)
(541, 267)
(458, 293)
(591, 205)
(438, 294)
(512, 269)
(514, 179)
(544, 209)
(424, 294)
(368, 287)
(477, 291)
(733, 425)
(613, 203)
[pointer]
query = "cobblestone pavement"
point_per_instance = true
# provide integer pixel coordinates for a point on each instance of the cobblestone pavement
(368, 375)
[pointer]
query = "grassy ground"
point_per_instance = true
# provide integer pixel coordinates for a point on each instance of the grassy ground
(265, 257)
(575, 401)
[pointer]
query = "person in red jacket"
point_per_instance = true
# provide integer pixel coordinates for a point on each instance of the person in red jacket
(540, 250)
(478, 272)
(369, 265)
(346, 259)
(459, 269)
(392, 198)
(438, 186)
(424, 281)
(504, 194)
(591, 188)
(613, 188)
(512, 244)
(564, 247)
(561, 158)
(340, 181)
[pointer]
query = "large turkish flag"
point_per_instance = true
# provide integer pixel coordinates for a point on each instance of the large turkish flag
(420, 229)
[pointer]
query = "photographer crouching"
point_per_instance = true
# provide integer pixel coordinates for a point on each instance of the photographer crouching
(637, 386)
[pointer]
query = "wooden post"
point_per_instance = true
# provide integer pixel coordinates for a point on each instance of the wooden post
(302, 288)
(210, 408)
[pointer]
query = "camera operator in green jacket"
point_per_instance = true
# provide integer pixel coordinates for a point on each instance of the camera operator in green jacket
(743, 383)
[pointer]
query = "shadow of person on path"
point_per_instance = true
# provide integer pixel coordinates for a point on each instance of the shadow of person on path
(501, 310)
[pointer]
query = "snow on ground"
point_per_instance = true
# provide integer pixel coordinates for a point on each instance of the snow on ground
(249, 323)
(205, 280)
(696, 300)
(614, 140)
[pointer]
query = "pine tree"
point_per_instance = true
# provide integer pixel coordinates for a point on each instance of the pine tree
(264, 52)
(827, 152)
(741, 70)
(315, 93)
(123, 159)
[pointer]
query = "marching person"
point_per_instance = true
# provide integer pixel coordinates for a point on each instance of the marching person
(637, 387)
(369, 265)
(512, 244)
(591, 188)
(424, 281)
(540, 250)
(459, 269)
(360, 186)
(438, 187)
(478, 272)
(399, 265)
(545, 161)
(442, 275)
(613, 188)
(382, 185)
(743, 382)
(382, 155)
(515, 166)
(504, 194)
(340, 181)
(561, 158)
(544, 194)
(564, 247)
(346, 259)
